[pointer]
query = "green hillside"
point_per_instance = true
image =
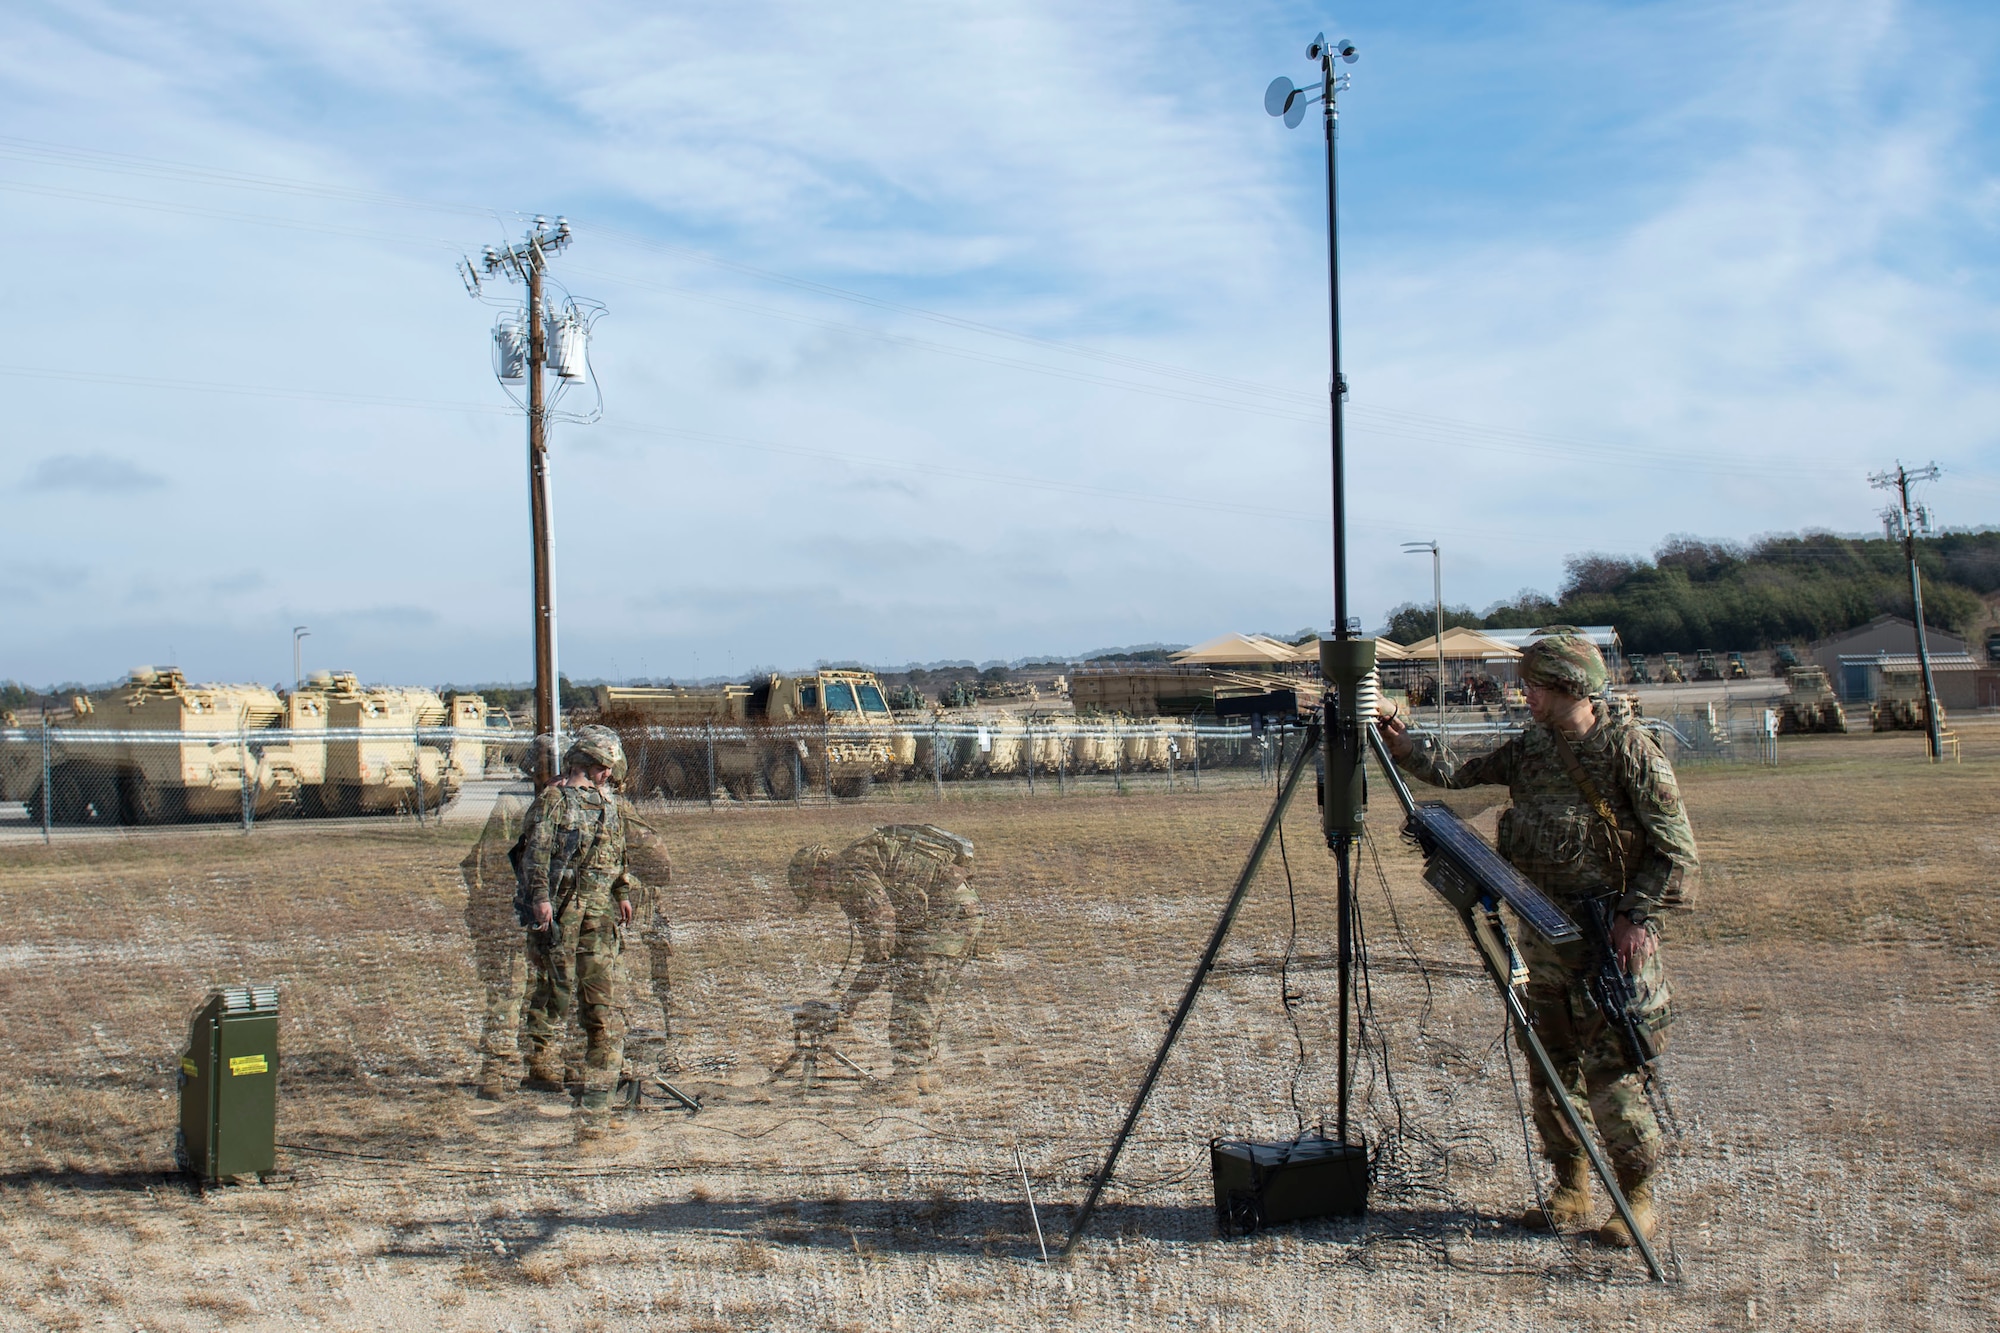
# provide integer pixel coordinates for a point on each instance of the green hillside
(1782, 589)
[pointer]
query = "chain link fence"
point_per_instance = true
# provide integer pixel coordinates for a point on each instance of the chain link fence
(66, 776)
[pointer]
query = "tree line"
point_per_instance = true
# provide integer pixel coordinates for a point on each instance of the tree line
(1787, 588)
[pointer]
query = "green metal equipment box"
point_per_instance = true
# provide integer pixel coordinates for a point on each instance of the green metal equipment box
(229, 1085)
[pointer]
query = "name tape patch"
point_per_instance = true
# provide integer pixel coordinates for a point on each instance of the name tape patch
(248, 1064)
(188, 1066)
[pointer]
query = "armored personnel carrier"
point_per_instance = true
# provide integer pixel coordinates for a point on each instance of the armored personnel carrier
(1900, 705)
(1811, 704)
(381, 764)
(220, 755)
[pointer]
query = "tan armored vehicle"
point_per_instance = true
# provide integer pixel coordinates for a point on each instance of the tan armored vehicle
(99, 776)
(387, 767)
(1900, 705)
(768, 736)
(1811, 705)
(211, 750)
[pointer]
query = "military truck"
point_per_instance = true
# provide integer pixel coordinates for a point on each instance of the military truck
(773, 736)
(1810, 704)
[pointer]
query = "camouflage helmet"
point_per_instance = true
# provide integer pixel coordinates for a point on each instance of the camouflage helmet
(806, 863)
(1563, 659)
(597, 747)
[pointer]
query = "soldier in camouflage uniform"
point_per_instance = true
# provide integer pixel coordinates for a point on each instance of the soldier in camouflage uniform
(497, 946)
(573, 859)
(904, 890)
(1640, 859)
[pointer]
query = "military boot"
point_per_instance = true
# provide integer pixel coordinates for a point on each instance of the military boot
(1646, 1211)
(494, 1082)
(1568, 1204)
(545, 1072)
(597, 1126)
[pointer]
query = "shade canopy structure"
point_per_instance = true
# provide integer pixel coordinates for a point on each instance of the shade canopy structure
(1464, 645)
(1242, 650)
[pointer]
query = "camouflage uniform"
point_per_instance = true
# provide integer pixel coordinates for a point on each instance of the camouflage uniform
(1555, 837)
(497, 946)
(903, 888)
(647, 875)
(583, 967)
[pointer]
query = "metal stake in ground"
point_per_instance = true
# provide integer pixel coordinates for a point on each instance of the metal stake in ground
(1201, 971)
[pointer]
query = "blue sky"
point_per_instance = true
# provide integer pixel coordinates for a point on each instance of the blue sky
(976, 331)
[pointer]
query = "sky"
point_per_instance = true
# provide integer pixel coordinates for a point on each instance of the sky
(984, 332)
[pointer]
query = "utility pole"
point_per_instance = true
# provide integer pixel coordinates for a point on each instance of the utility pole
(1437, 601)
(1902, 520)
(526, 262)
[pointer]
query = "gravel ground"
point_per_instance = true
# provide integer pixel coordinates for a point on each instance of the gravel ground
(1835, 1161)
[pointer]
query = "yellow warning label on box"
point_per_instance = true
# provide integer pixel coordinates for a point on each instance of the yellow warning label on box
(188, 1066)
(248, 1064)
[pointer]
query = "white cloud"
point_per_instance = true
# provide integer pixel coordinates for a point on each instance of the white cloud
(1756, 236)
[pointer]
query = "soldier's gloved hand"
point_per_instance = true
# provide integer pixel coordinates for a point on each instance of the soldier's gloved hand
(545, 912)
(1395, 733)
(1634, 943)
(624, 911)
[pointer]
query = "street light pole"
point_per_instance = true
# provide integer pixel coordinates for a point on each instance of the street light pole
(298, 677)
(1437, 602)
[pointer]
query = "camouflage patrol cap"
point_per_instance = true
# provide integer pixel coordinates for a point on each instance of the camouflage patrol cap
(806, 862)
(597, 747)
(1563, 659)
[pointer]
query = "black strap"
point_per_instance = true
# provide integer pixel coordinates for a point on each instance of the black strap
(1574, 767)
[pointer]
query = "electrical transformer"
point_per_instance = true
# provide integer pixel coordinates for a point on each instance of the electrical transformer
(229, 1085)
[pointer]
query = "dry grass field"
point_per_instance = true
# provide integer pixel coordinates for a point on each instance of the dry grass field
(1835, 1164)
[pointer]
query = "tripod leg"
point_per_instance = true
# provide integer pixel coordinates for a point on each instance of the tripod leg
(1491, 938)
(859, 1071)
(1201, 971)
(691, 1105)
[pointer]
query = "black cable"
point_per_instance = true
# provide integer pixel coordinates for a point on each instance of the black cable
(1285, 996)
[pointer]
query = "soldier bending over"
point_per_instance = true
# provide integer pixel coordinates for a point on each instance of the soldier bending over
(903, 889)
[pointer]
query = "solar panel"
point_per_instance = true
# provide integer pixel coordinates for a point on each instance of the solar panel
(1470, 870)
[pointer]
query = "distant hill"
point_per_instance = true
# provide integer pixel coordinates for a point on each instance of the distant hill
(1791, 588)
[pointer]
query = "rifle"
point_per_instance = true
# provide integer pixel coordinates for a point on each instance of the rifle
(1475, 880)
(1611, 988)
(559, 865)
